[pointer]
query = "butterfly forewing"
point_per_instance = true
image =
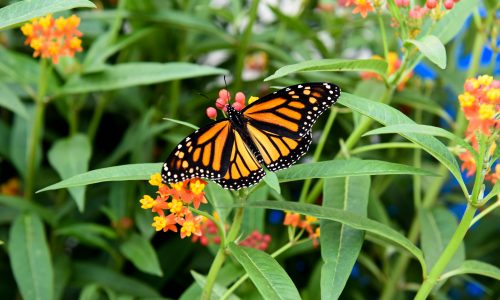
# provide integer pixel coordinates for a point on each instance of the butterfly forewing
(203, 154)
(280, 123)
(292, 111)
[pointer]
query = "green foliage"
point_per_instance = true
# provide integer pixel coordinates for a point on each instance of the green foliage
(381, 185)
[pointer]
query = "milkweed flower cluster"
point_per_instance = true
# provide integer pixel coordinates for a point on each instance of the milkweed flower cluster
(53, 38)
(172, 205)
(224, 99)
(307, 223)
(480, 103)
(210, 235)
(393, 64)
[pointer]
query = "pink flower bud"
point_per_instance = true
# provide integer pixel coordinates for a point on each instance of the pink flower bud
(240, 98)
(448, 4)
(238, 106)
(211, 113)
(224, 95)
(220, 103)
(431, 4)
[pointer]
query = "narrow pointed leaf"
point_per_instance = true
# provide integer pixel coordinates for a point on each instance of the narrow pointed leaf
(265, 272)
(70, 157)
(140, 252)
(118, 173)
(353, 220)
(475, 267)
(26, 10)
(438, 226)
(387, 115)
(422, 129)
(432, 48)
(10, 101)
(217, 291)
(341, 244)
(341, 168)
(330, 65)
(133, 74)
(30, 258)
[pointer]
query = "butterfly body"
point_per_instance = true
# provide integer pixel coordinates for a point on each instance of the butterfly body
(274, 131)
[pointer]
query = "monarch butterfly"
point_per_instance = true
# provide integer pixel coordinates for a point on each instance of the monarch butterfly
(274, 131)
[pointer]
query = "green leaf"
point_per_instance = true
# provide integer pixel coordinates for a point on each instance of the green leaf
(187, 124)
(30, 258)
(22, 205)
(220, 199)
(475, 267)
(452, 22)
(341, 244)
(10, 101)
(189, 21)
(217, 291)
(387, 115)
(133, 74)
(341, 168)
(91, 234)
(140, 252)
(333, 65)
(422, 129)
(432, 48)
(351, 219)
(69, 157)
(19, 142)
(272, 181)
(265, 272)
(334, 168)
(438, 227)
(107, 277)
(102, 49)
(26, 10)
(118, 173)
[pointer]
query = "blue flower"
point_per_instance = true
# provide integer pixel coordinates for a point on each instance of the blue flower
(424, 71)
(474, 289)
(275, 217)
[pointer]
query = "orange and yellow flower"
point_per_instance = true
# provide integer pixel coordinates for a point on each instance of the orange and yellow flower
(362, 7)
(53, 38)
(480, 103)
(393, 65)
(172, 205)
(308, 224)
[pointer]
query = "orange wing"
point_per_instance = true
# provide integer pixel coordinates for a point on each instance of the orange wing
(215, 152)
(244, 169)
(203, 154)
(280, 123)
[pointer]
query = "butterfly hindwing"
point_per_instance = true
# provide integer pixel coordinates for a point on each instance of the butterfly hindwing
(279, 152)
(292, 111)
(244, 169)
(203, 154)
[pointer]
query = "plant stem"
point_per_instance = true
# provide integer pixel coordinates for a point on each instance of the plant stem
(384, 35)
(447, 254)
(486, 211)
(96, 117)
(221, 254)
(36, 129)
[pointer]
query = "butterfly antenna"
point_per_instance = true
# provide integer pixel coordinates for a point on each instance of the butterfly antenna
(227, 91)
